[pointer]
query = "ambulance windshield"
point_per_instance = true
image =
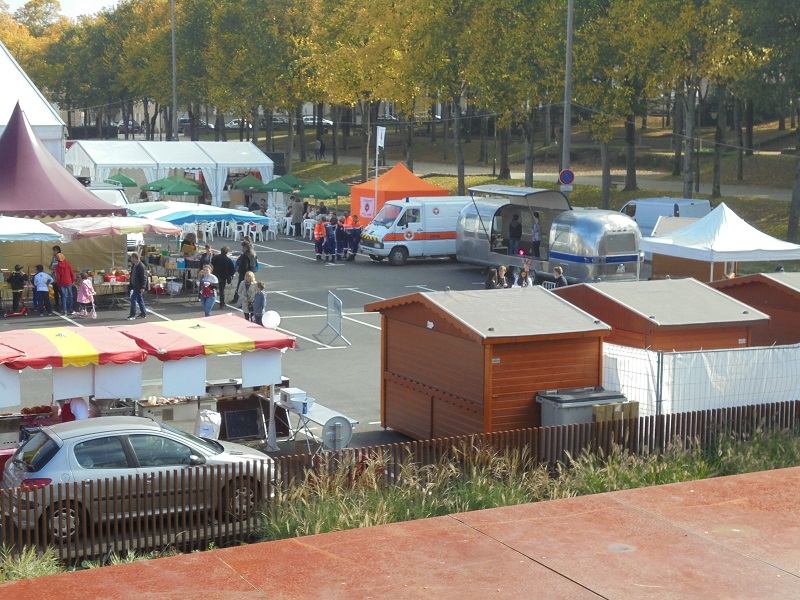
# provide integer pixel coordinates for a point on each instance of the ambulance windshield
(387, 215)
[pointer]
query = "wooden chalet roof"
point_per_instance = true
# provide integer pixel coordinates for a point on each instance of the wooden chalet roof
(678, 302)
(785, 282)
(509, 313)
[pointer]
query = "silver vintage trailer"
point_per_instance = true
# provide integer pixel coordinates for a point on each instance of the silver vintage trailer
(591, 244)
(588, 244)
(482, 229)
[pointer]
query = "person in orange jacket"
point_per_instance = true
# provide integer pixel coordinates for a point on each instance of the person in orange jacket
(348, 232)
(319, 237)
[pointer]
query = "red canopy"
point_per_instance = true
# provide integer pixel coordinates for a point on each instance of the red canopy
(173, 340)
(69, 346)
(34, 184)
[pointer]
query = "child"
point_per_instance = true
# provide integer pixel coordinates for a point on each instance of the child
(85, 295)
(42, 282)
(17, 282)
(259, 303)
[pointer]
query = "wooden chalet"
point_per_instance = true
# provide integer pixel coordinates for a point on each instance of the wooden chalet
(669, 314)
(776, 294)
(458, 362)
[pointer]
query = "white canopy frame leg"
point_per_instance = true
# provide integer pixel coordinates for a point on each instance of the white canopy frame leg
(272, 434)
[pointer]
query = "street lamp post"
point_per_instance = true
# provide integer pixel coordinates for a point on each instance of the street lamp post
(566, 130)
(175, 80)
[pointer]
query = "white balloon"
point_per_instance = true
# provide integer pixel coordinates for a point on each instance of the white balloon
(271, 319)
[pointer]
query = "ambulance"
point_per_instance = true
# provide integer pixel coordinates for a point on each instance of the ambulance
(413, 228)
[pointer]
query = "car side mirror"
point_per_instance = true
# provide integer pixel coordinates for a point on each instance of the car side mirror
(196, 461)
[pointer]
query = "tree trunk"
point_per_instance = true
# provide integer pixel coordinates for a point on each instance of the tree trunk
(336, 112)
(432, 122)
(529, 127)
(548, 126)
(605, 165)
(301, 133)
(505, 169)
(719, 141)
(677, 128)
(290, 141)
(445, 130)
(748, 124)
(458, 149)
(254, 114)
(688, 140)
(630, 153)
(269, 129)
(407, 134)
(483, 146)
(794, 206)
(737, 125)
(366, 131)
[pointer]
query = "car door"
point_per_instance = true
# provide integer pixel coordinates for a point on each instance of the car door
(105, 461)
(170, 469)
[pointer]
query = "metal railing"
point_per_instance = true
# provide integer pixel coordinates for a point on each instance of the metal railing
(196, 508)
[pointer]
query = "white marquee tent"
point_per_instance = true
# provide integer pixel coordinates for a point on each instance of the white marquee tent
(44, 119)
(721, 236)
(98, 159)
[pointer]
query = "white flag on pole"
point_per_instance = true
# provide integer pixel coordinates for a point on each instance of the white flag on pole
(381, 136)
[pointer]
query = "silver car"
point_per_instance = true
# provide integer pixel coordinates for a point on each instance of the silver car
(137, 467)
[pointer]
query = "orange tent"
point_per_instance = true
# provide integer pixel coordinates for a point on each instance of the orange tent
(395, 184)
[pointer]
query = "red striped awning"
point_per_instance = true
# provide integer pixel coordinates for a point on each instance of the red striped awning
(69, 346)
(173, 340)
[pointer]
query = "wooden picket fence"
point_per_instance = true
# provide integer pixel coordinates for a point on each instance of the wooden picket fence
(91, 520)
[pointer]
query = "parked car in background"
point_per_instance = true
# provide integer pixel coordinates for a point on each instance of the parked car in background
(185, 126)
(130, 127)
(390, 119)
(236, 123)
(108, 451)
(309, 121)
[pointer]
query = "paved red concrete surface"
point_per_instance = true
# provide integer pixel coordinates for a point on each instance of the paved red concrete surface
(733, 537)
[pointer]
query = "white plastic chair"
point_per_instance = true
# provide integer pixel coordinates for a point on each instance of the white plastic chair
(272, 229)
(239, 230)
(229, 228)
(256, 232)
(308, 228)
(208, 231)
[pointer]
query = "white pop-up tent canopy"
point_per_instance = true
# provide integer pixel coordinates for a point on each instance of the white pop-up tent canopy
(721, 236)
(43, 118)
(98, 159)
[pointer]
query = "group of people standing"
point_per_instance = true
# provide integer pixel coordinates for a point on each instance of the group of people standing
(515, 235)
(218, 271)
(62, 280)
(337, 238)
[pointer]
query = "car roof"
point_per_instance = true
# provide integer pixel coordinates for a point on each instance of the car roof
(74, 429)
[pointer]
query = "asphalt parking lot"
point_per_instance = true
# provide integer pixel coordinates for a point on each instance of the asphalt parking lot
(343, 377)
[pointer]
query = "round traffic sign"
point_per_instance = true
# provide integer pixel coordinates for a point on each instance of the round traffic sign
(566, 177)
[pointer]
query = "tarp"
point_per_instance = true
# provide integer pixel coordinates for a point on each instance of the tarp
(395, 184)
(215, 159)
(34, 184)
(87, 227)
(70, 346)
(44, 119)
(15, 229)
(179, 213)
(173, 340)
(721, 236)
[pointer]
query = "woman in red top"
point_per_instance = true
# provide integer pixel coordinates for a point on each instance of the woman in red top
(65, 278)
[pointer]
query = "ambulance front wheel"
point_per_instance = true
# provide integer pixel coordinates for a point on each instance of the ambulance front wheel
(398, 256)
(376, 258)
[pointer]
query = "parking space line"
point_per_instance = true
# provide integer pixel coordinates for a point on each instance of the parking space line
(344, 315)
(422, 287)
(358, 291)
(312, 258)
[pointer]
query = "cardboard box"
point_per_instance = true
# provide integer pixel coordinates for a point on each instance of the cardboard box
(171, 264)
(616, 411)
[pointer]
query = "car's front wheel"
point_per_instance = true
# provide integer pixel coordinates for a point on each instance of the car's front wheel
(242, 498)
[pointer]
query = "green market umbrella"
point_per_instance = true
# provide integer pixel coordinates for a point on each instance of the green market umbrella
(250, 183)
(339, 188)
(276, 185)
(181, 189)
(316, 181)
(122, 180)
(160, 184)
(290, 180)
(317, 191)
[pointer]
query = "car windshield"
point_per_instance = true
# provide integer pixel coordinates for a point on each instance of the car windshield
(210, 445)
(386, 215)
(36, 452)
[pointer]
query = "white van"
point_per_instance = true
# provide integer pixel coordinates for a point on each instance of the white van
(646, 211)
(413, 228)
